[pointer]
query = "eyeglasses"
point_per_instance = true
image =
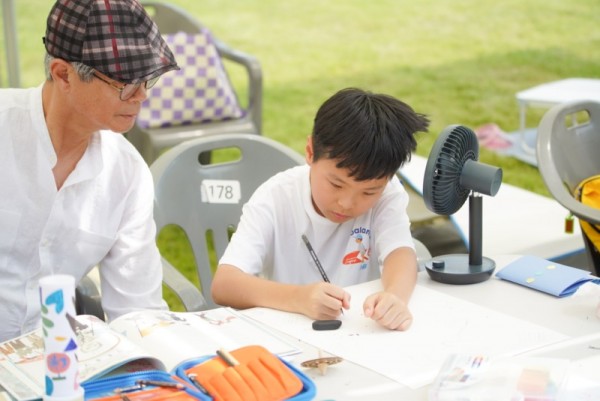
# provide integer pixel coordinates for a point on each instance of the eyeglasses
(128, 90)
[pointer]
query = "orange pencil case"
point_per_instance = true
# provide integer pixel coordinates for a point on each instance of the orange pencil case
(253, 373)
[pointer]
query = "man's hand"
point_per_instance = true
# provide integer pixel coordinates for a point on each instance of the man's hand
(388, 310)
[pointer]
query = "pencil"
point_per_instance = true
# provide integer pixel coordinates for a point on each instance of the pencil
(194, 379)
(317, 261)
(227, 357)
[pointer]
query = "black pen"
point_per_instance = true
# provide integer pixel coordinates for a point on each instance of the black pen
(159, 383)
(315, 258)
(317, 261)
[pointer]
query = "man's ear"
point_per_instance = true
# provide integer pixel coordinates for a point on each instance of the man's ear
(60, 69)
(309, 150)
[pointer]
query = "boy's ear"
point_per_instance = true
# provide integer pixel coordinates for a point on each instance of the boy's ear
(309, 150)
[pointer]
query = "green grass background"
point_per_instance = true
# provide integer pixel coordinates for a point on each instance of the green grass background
(459, 61)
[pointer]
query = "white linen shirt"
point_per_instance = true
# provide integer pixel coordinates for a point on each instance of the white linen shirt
(268, 241)
(102, 215)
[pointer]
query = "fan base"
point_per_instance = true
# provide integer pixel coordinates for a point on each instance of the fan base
(455, 269)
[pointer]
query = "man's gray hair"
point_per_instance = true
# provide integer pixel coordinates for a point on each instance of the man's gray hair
(85, 72)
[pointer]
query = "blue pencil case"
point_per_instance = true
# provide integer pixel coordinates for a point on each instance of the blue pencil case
(247, 373)
(140, 386)
(546, 276)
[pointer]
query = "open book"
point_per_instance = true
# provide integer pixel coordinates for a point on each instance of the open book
(137, 341)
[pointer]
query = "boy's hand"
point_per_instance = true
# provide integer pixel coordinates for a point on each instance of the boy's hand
(388, 310)
(322, 301)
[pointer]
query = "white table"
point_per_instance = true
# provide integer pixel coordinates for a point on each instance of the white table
(553, 93)
(348, 381)
(550, 94)
(570, 316)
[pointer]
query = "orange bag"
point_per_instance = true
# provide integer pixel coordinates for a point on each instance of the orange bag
(256, 374)
(588, 193)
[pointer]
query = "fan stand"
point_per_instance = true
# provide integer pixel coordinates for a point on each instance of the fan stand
(463, 268)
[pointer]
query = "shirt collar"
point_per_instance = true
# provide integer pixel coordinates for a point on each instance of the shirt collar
(90, 164)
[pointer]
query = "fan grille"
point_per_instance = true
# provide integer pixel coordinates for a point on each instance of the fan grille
(443, 193)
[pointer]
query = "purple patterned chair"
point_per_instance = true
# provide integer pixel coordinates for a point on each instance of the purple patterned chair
(199, 99)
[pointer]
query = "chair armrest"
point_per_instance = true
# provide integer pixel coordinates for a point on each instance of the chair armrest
(186, 291)
(88, 300)
(423, 254)
(254, 72)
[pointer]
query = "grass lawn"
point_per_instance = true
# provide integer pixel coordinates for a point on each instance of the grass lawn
(460, 62)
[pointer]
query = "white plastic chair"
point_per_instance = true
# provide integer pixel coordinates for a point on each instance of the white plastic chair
(199, 99)
(568, 143)
(423, 254)
(205, 200)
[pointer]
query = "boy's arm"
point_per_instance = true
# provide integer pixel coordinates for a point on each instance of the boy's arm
(235, 288)
(399, 273)
(398, 278)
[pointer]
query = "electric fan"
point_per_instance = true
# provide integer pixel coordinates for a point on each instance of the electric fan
(452, 175)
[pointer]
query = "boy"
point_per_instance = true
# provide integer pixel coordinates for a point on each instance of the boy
(347, 191)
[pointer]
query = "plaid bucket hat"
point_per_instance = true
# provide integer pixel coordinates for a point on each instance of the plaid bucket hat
(116, 37)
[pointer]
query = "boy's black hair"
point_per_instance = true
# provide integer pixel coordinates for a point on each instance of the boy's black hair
(370, 134)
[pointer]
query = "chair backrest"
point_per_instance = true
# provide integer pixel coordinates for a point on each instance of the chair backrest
(170, 18)
(200, 91)
(568, 151)
(206, 200)
(199, 99)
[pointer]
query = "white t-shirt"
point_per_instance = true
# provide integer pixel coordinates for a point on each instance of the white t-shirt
(101, 215)
(268, 240)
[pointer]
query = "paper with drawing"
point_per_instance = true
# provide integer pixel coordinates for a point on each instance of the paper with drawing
(443, 325)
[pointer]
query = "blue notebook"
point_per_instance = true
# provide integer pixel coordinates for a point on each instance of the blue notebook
(546, 276)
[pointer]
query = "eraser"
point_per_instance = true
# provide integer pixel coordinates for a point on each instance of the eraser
(326, 324)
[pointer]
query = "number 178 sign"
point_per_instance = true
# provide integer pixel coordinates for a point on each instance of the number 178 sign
(220, 191)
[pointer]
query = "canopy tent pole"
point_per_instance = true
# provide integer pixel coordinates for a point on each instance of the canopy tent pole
(10, 36)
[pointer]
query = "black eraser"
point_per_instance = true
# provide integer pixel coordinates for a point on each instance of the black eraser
(326, 324)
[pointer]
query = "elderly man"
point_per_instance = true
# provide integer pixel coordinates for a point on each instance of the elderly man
(73, 192)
